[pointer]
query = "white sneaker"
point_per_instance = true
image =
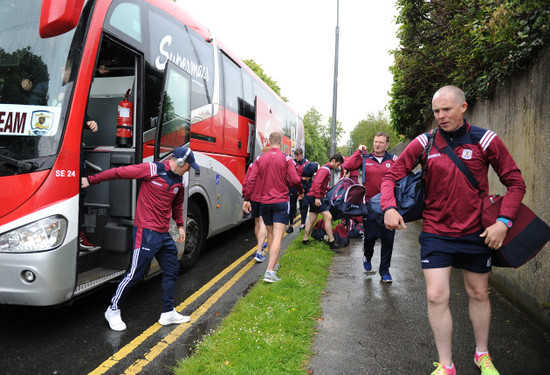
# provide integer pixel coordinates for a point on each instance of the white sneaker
(114, 319)
(271, 277)
(259, 258)
(172, 317)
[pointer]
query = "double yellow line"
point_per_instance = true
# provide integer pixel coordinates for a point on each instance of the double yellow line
(158, 348)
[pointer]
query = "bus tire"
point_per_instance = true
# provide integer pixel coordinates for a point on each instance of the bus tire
(195, 236)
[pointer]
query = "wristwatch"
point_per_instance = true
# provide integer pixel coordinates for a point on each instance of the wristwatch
(507, 222)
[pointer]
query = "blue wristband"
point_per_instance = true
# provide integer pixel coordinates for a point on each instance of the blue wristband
(506, 222)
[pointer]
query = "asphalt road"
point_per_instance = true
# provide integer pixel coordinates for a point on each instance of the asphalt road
(76, 339)
(367, 327)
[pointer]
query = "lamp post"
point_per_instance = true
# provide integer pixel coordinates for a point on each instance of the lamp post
(335, 89)
(335, 92)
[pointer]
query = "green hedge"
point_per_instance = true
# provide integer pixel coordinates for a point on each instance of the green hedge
(473, 44)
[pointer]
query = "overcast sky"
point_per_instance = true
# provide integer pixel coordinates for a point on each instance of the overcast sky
(294, 42)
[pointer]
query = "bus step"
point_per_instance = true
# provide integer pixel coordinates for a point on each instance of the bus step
(96, 277)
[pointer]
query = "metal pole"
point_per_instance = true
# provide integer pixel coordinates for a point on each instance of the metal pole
(333, 176)
(335, 90)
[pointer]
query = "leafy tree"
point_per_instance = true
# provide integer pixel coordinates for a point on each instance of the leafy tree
(473, 44)
(366, 129)
(257, 68)
(325, 131)
(315, 147)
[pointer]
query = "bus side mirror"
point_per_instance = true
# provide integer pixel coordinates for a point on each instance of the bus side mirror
(58, 17)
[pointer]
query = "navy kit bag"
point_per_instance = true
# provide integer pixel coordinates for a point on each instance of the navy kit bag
(347, 199)
(409, 192)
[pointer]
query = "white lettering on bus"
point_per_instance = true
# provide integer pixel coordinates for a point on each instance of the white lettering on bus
(191, 67)
(14, 122)
(65, 173)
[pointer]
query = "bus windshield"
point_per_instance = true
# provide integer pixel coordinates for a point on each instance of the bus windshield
(35, 85)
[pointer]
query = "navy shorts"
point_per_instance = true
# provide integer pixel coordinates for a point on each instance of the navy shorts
(317, 209)
(255, 209)
(467, 252)
(275, 212)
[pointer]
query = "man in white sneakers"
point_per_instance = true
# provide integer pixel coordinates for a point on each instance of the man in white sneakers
(160, 198)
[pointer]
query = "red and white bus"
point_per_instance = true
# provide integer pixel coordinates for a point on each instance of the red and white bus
(153, 79)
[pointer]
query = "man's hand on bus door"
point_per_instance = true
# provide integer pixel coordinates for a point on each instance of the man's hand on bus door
(246, 206)
(92, 125)
(181, 231)
(84, 183)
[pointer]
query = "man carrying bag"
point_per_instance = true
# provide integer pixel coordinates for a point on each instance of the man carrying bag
(452, 232)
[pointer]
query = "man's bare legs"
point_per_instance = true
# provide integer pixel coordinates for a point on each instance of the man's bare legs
(328, 225)
(260, 231)
(477, 287)
(275, 235)
(439, 313)
(311, 219)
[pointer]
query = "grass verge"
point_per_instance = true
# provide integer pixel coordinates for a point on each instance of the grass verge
(271, 329)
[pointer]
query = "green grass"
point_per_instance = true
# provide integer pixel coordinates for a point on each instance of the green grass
(271, 329)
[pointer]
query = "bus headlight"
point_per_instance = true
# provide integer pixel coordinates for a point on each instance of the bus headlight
(42, 235)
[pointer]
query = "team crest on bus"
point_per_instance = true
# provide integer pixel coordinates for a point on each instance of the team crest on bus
(42, 122)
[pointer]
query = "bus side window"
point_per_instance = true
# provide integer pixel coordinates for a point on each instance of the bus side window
(176, 110)
(248, 102)
(233, 84)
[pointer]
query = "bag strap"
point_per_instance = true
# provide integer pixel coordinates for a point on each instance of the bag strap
(460, 165)
(427, 150)
(364, 157)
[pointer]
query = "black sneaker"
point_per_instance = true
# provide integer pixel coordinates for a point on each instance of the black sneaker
(334, 245)
(305, 242)
(302, 227)
(290, 229)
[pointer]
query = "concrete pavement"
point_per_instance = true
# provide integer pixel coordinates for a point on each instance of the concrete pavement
(369, 327)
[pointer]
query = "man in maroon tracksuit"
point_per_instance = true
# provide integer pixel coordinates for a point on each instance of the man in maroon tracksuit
(452, 234)
(317, 201)
(375, 165)
(271, 175)
(252, 196)
(299, 161)
(160, 197)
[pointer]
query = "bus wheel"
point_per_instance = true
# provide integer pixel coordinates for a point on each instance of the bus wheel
(195, 236)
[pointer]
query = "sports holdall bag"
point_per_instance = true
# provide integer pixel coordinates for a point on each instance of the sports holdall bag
(409, 192)
(347, 199)
(523, 240)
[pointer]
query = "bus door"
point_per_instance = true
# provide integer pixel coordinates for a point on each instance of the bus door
(233, 93)
(107, 211)
(267, 122)
(173, 131)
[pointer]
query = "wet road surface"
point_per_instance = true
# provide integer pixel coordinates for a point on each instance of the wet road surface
(76, 339)
(369, 327)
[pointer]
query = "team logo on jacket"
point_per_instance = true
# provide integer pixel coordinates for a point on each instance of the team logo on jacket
(176, 190)
(388, 165)
(467, 154)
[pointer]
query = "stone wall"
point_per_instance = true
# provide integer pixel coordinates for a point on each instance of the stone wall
(520, 114)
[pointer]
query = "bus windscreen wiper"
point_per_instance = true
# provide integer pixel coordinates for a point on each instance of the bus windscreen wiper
(23, 166)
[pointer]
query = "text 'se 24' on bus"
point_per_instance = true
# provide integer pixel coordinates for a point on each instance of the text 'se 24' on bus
(153, 79)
